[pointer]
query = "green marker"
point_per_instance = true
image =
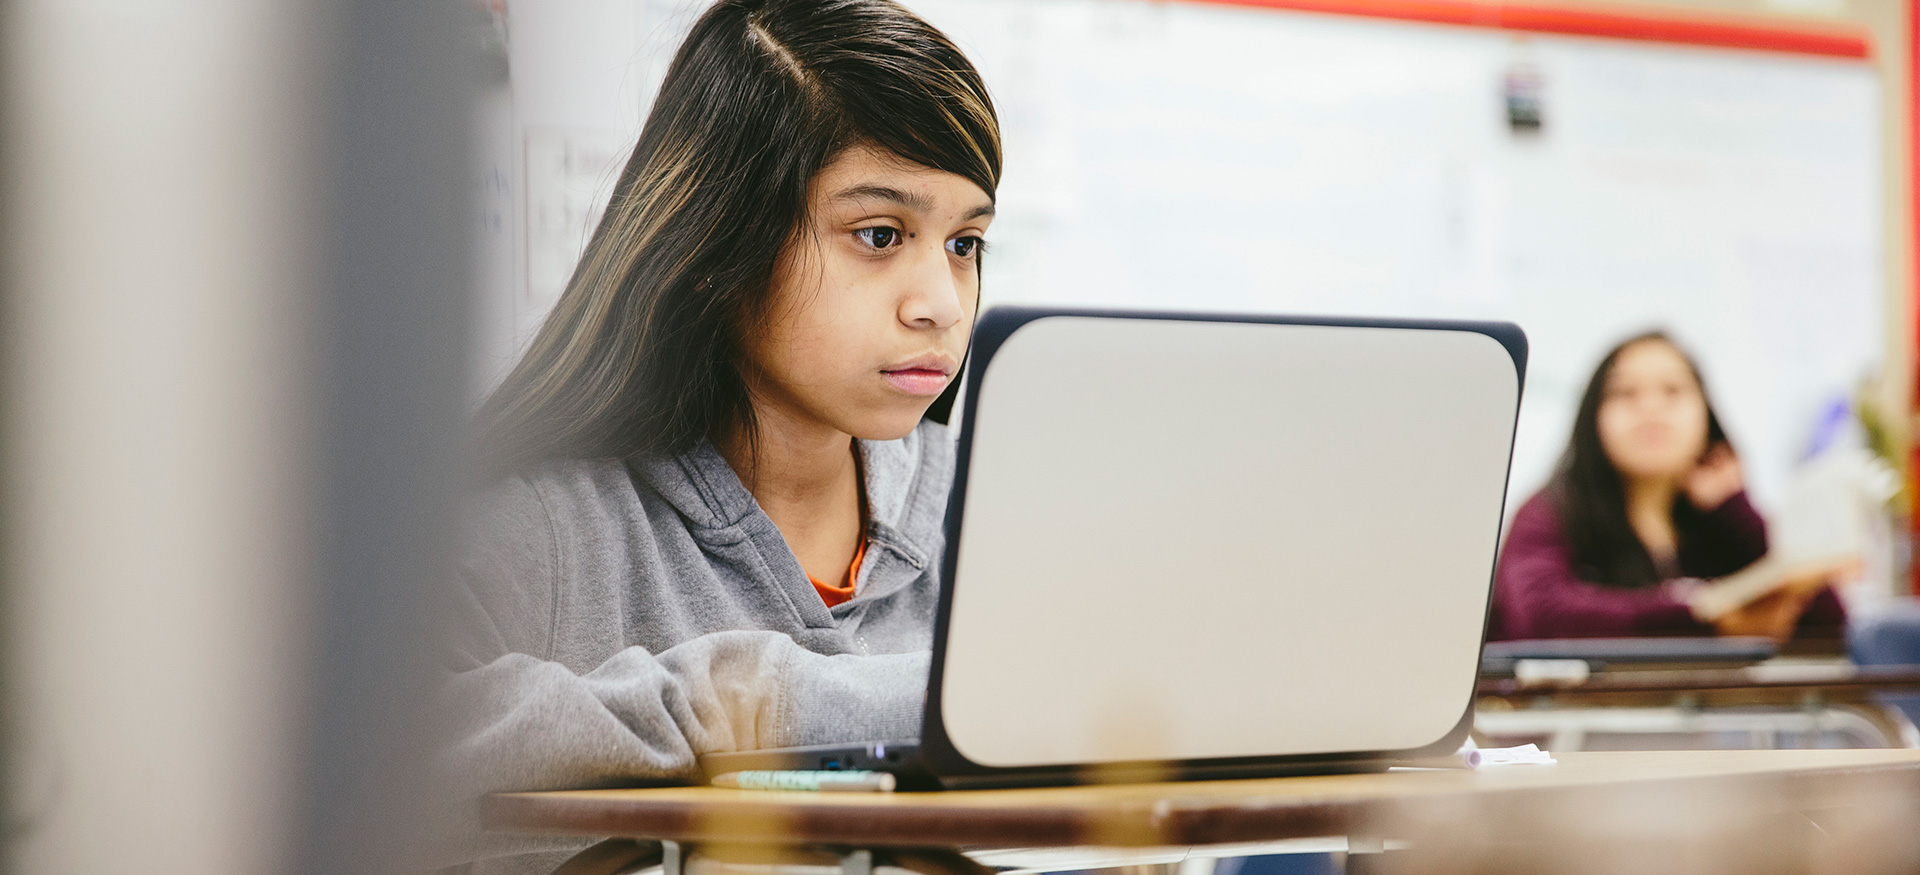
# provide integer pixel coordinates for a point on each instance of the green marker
(848, 781)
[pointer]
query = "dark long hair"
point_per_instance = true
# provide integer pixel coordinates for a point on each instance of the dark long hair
(1590, 497)
(642, 352)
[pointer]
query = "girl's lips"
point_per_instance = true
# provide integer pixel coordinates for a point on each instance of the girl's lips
(918, 381)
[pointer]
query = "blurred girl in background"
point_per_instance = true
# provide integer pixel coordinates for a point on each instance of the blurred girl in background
(1648, 502)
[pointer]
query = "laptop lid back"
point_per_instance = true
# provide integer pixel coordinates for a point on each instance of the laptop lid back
(1197, 538)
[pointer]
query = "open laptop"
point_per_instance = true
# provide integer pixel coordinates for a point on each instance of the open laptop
(1188, 545)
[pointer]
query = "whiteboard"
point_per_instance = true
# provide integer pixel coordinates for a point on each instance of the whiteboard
(1192, 155)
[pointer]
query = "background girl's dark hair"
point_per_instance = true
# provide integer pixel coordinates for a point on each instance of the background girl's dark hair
(1590, 497)
(642, 352)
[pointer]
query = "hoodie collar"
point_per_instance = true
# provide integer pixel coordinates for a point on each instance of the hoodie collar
(704, 489)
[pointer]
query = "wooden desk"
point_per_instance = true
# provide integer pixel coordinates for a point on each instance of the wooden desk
(1626, 797)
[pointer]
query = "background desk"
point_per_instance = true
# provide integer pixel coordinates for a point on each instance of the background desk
(1823, 677)
(1801, 702)
(1729, 810)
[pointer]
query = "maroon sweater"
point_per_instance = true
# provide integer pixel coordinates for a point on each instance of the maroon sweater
(1538, 592)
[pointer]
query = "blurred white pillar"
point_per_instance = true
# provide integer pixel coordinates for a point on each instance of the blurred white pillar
(161, 168)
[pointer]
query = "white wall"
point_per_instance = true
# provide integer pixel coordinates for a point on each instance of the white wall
(1177, 154)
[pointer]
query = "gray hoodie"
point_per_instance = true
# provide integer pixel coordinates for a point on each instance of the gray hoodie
(607, 633)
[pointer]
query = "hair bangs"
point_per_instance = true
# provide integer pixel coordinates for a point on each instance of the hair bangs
(947, 124)
(896, 83)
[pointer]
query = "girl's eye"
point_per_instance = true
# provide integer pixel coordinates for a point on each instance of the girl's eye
(881, 237)
(966, 247)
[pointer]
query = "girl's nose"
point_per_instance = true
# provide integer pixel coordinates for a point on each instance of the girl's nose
(933, 295)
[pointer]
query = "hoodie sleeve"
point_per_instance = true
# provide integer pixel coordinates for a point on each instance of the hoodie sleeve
(1540, 594)
(515, 720)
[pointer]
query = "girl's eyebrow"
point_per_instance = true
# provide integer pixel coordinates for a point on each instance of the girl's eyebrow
(913, 201)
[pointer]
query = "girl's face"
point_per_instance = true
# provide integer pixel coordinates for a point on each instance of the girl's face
(871, 305)
(1653, 415)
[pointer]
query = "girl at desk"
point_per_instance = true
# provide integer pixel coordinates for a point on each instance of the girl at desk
(1648, 502)
(719, 518)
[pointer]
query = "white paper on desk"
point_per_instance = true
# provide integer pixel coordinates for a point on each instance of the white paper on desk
(1467, 757)
(1524, 755)
(1472, 756)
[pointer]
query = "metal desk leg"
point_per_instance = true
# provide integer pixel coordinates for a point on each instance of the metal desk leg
(1145, 869)
(1366, 855)
(673, 858)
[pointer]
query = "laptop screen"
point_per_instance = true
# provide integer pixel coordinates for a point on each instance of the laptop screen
(1194, 537)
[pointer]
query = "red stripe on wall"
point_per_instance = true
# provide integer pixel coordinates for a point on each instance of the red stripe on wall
(1840, 42)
